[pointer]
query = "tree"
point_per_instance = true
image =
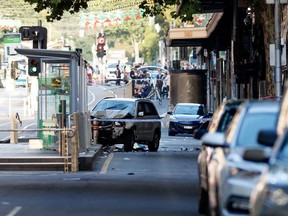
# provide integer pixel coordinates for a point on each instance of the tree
(150, 44)
(182, 9)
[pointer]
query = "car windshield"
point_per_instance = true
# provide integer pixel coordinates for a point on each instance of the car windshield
(128, 106)
(189, 110)
(283, 152)
(112, 65)
(226, 119)
(251, 125)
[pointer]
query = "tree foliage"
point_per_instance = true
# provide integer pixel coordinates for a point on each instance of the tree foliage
(149, 46)
(182, 9)
(56, 8)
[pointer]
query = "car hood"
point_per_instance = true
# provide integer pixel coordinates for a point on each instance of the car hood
(110, 114)
(182, 117)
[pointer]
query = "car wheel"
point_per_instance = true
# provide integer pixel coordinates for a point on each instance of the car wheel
(129, 141)
(103, 141)
(171, 133)
(203, 201)
(153, 146)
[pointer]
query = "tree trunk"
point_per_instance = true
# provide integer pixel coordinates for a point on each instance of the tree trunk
(266, 15)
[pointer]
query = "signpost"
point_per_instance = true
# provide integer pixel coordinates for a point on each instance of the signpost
(11, 41)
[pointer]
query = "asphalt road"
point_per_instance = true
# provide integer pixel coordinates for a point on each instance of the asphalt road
(121, 184)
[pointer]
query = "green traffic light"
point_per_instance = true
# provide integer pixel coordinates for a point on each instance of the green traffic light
(33, 69)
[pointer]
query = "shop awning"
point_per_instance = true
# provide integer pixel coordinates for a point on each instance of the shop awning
(194, 35)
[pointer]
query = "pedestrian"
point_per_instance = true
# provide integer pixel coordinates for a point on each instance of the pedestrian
(166, 84)
(118, 75)
(145, 89)
(159, 81)
(133, 75)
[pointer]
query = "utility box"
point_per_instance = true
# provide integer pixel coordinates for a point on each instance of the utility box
(188, 86)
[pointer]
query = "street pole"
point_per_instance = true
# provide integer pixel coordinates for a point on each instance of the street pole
(277, 49)
(232, 61)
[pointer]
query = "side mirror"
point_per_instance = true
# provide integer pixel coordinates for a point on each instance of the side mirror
(214, 140)
(255, 155)
(141, 114)
(267, 137)
(169, 113)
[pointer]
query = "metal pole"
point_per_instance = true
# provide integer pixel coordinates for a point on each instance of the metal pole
(277, 50)
(234, 32)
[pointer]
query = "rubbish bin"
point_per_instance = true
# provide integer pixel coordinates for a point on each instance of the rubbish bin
(188, 86)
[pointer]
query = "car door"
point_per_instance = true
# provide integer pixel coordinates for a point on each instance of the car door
(152, 121)
(147, 117)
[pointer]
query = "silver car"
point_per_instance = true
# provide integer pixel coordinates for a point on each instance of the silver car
(270, 196)
(219, 123)
(231, 179)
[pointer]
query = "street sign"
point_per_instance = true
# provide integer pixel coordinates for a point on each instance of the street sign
(11, 42)
(272, 55)
(273, 1)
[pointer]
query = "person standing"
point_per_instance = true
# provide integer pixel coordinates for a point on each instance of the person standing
(118, 75)
(166, 84)
(159, 81)
(133, 75)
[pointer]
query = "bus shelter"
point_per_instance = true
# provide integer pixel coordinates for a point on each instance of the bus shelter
(59, 91)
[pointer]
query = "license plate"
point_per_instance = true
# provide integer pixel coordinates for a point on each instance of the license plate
(188, 127)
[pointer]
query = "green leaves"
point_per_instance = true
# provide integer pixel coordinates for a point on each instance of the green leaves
(56, 8)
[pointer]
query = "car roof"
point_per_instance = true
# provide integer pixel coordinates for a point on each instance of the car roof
(126, 99)
(192, 104)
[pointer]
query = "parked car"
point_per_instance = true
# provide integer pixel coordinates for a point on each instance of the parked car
(151, 69)
(185, 118)
(110, 74)
(219, 123)
(270, 195)
(231, 178)
(127, 120)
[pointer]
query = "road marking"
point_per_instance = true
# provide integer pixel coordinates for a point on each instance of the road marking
(5, 123)
(14, 211)
(106, 164)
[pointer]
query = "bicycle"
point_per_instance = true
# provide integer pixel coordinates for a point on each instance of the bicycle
(154, 92)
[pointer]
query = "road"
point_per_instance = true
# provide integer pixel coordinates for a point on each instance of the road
(121, 184)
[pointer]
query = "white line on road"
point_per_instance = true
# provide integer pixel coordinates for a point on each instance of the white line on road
(14, 211)
(106, 164)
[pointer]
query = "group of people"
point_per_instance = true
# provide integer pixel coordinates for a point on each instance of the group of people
(142, 83)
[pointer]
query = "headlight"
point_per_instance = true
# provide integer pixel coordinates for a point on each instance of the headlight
(173, 119)
(278, 196)
(118, 124)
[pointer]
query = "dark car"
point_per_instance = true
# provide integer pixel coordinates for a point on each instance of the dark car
(127, 120)
(185, 118)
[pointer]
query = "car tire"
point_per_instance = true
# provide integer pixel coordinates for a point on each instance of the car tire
(129, 141)
(203, 202)
(171, 133)
(153, 146)
(102, 141)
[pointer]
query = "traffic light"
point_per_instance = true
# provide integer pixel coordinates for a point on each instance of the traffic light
(35, 33)
(100, 50)
(34, 66)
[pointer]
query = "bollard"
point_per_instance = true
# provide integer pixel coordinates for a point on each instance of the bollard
(14, 134)
(95, 131)
(75, 144)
